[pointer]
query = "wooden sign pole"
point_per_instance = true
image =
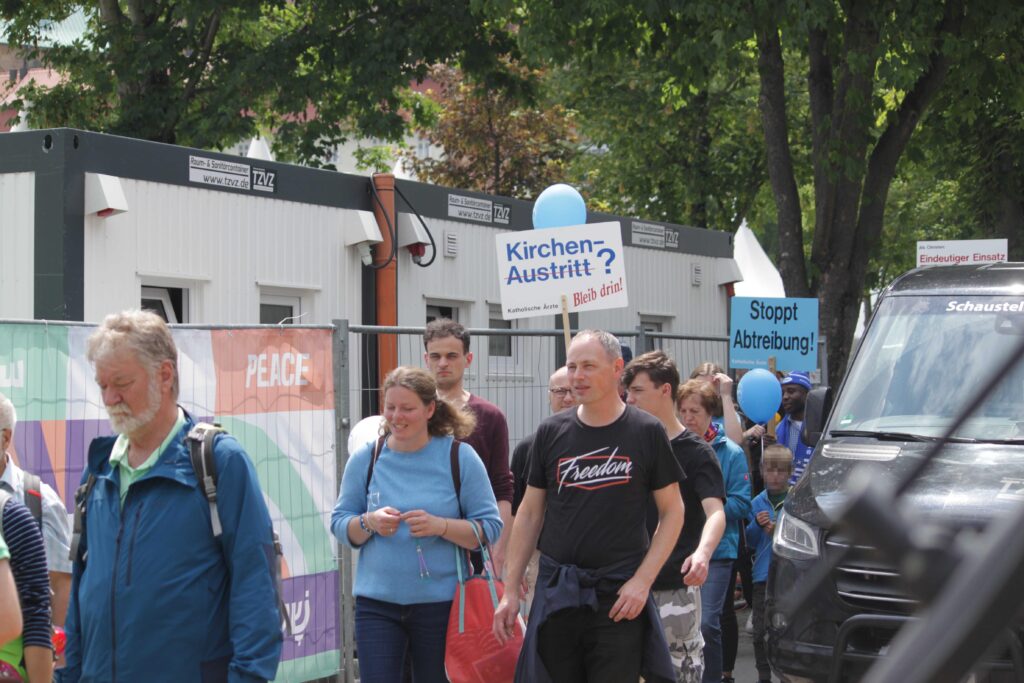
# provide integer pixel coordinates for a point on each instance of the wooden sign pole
(565, 323)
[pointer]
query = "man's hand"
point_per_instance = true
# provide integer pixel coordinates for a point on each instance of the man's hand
(695, 569)
(384, 521)
(632, 599)
(506, 616)
(755, 432)
(765, 520)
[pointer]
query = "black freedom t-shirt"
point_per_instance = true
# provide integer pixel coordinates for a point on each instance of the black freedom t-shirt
(598, 482)
(702, 479)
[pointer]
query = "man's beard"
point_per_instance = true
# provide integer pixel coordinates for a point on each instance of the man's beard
(121, 418)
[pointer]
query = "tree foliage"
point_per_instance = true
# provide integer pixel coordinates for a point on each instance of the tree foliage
(869, 74)
(208, 74)
(492, 140)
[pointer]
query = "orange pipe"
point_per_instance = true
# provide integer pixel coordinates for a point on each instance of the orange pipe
(386, 277)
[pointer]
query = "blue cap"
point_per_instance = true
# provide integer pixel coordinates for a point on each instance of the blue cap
(799, 378)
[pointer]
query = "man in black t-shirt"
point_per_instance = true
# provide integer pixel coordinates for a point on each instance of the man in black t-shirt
(651, 382)
(592, 472)
(559, 398)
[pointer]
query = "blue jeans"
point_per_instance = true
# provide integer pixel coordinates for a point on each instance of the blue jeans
(386, 631)
(713, 597)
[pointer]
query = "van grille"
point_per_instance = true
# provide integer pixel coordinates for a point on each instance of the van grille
(866, 581)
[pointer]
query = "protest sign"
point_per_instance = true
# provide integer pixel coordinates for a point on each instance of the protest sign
(584, 263)
(784, 329)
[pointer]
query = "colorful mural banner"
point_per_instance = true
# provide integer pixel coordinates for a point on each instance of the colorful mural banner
(272, 388)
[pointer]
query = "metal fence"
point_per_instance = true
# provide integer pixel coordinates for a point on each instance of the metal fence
(510, 368)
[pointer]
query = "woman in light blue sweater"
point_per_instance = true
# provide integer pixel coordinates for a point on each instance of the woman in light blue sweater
(406, 521)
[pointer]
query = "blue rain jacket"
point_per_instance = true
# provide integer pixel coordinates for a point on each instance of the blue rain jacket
(158, 598)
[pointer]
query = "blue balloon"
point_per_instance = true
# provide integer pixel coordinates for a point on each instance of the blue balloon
(759, 394)
(557, 206)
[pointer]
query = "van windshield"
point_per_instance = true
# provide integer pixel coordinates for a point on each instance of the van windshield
(922, 359)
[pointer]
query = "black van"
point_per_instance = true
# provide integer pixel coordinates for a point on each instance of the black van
(936, 333)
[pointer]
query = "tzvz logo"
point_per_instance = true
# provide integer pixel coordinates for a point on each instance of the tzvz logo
(264, 179)
(594, 470)
(500, 213)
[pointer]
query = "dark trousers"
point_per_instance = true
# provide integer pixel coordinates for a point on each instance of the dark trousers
(764, 671)
(730, 627)
(387, 633)
(579, 645)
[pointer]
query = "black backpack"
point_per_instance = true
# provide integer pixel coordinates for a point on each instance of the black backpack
(201, 439)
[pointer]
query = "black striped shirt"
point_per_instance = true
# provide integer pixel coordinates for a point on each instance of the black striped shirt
(28, 565)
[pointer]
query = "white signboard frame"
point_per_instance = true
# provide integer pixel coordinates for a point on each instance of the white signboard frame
(582, 262)
(961, 252)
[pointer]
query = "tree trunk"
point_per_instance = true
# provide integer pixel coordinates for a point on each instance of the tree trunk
(1011, 209)
(772, 103)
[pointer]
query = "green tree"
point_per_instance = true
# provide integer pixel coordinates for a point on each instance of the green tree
(208, 74)
(494, 140)
(667, 114)
(872, 70)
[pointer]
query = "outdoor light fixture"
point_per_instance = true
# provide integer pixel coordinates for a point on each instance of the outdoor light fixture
(361, 232)
(104, 195)
(413, 236)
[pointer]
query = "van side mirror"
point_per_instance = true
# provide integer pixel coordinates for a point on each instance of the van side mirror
(816, 409)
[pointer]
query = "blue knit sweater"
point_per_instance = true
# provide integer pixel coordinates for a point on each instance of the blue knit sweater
(388, 567)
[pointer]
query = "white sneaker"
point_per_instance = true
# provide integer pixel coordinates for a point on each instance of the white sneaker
(749, 628)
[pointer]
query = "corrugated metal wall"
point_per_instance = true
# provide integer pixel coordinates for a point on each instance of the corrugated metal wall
(17, 256)
(661, 290)
(226, 249)
(658, 282)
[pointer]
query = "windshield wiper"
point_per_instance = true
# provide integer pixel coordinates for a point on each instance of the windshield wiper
(899, 436)
(1011, 442)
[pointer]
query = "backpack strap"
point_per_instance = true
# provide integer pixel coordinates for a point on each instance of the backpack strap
(78, 527)
(33, 496)
(378, 447)
(200, 445)
(456, 474)
(201, 439)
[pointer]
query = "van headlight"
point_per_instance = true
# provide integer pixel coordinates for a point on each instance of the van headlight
(794, 539)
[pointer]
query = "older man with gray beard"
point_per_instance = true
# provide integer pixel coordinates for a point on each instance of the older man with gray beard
(156, 596)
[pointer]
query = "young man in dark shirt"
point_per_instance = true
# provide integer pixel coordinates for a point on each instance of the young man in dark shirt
(592, 471)
(447, 355)
(651, 382)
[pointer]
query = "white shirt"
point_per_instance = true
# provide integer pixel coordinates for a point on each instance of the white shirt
(56, 524)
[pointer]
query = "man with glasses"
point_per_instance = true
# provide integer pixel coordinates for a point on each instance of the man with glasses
(560, 397)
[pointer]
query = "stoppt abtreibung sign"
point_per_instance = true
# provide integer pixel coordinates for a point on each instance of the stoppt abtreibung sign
(784, 329)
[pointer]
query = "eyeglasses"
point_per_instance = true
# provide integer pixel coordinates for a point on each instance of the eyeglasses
(560, 391)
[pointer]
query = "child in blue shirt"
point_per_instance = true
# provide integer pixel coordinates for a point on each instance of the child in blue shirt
(776, 468)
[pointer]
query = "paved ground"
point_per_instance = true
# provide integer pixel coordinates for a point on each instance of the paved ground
(745, 671)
